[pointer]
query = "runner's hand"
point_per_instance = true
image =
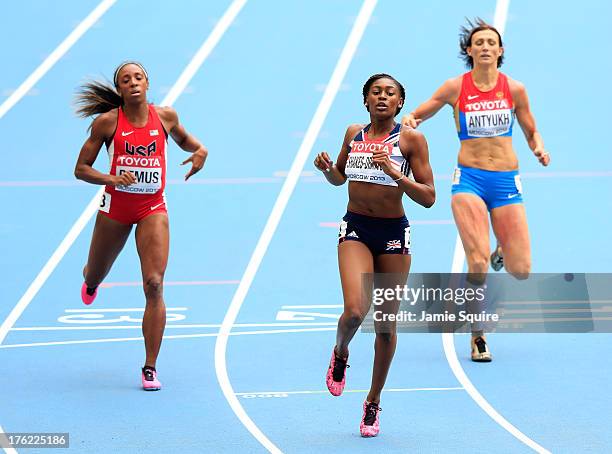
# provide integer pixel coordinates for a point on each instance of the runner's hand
(125, 179)
(323, 162)
(543, 156)
(197, 160)
(409, 120)
(381, 157)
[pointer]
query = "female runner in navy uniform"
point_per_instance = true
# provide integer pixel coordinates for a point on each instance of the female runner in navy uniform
(375, 234)
(485, 102)
(135, 134)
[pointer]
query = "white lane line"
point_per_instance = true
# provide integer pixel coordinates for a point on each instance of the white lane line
(206, 325)
(54, 56)
(501, 13)
(211, 42)
(168, 283)
(391, 390)
(268, 180)
(458, 256)
(127, 309)
(176, 336)
(453, 361)
(336, 225)
(277, 211)
(5, 442)
(92, 207)
(46, 271)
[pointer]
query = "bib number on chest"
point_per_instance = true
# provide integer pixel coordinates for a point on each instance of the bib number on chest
(488, 123)
(148, 179)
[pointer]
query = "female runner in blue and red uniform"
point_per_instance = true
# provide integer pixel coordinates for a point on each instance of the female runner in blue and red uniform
(374, 235)
(135, 134)
(486, 180)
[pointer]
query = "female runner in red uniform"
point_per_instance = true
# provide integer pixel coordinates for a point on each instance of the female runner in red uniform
(374, 234)
(486, 180)
(135, 134)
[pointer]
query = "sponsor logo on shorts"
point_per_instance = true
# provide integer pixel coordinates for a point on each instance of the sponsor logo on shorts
(352, 235)
(155, 207)
(394, 244)
(511, 196)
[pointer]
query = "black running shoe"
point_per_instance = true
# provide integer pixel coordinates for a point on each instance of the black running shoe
(480, 351)
(497, 260)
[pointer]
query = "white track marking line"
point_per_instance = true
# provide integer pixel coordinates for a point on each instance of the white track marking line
(277, 211)
(176, 336)
(453, 361)
(391, 390)
(211, 42)
(218, 325)
(458, 256)
(90, 210)
(53, 261)
(501, 13)
(5, 442)
(336, 225)
(130, 309)
(53, 58)
(268, 180)
(168, 283)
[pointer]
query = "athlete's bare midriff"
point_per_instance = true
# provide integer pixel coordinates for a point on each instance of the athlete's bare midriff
(489, 153)
(375, 200)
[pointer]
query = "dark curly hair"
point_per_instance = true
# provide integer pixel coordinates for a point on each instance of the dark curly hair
(374, 78)
(465, 40)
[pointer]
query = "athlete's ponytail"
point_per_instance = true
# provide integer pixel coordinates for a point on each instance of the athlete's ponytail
(95, 98)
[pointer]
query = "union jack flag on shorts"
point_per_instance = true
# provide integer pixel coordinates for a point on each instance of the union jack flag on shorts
(394, 244)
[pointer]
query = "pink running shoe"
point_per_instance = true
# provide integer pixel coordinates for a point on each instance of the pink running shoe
(336, 374)
(149, 379)
(370, 424)
(86, 297)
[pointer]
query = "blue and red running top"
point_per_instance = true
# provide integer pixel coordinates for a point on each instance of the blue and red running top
(484, 113)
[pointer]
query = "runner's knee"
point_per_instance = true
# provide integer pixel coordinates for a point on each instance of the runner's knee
(386, 337)
(519, 269)
(153, 286)
(353, 317)
(477, 263)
